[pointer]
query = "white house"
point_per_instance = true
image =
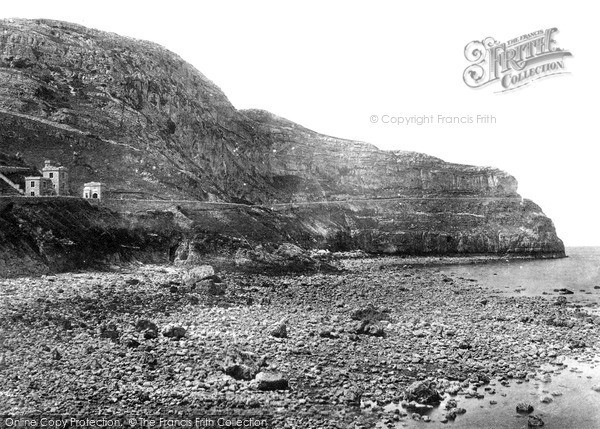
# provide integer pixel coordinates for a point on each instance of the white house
(93, 190)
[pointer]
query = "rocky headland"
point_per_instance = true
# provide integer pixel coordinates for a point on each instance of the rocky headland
(137, 117)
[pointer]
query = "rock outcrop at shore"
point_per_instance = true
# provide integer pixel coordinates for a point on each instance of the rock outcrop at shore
(137, 117)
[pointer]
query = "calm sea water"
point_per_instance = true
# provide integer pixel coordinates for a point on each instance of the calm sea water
(578, 406)
(580, 273)
(575, 406)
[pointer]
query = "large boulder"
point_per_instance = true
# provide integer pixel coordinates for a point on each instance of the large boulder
(370, 313)
(240, 364)
(366, 328)
(422, 392)
(198, 273)
(285, 258)
(524, 407)
(148, 327)
(212, 285)
(174, 332)
(534, 422)
(279, 330)
(352, 395)
(271, 380)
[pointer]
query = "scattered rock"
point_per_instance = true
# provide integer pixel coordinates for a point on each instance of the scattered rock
(110, 331)
(454, 412)
(352, 395)
(210, 287)
(370, 314)
(241, 365)
(149, 328)
(561, 300)
(352, 337)
(150, 334)
(56, 355)
(422, 392)
(326, 333)
(451, 403)
(143, 324)
(174, 332)
(285, 258)
(271, 380)
(280, 329)
(196, 274)
(131, 343)
(366, 328)
(524, 407)
(534, 421)
(577, 344)
(149, 359)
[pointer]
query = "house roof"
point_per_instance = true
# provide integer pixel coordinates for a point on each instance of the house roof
(93, 184)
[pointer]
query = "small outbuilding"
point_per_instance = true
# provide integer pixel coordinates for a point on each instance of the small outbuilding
(93, 190)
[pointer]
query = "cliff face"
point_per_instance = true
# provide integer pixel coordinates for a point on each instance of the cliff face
(309, 166)
(137, 117)
(41, 235)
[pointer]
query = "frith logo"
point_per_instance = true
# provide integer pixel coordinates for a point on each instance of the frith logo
(515, 63)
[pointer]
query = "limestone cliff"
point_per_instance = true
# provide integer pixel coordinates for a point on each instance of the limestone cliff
(137, 117)
(310, 166)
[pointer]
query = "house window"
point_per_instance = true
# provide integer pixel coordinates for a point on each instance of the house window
(33, 194)
(51, 175)
(95, 195)
(33, 184)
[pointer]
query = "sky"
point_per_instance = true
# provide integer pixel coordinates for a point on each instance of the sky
(333, 66)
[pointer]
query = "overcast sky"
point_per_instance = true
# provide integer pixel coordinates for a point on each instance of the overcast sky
(331, 65)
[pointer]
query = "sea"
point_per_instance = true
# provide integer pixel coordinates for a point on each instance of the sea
(579, 272)
(578, 406)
